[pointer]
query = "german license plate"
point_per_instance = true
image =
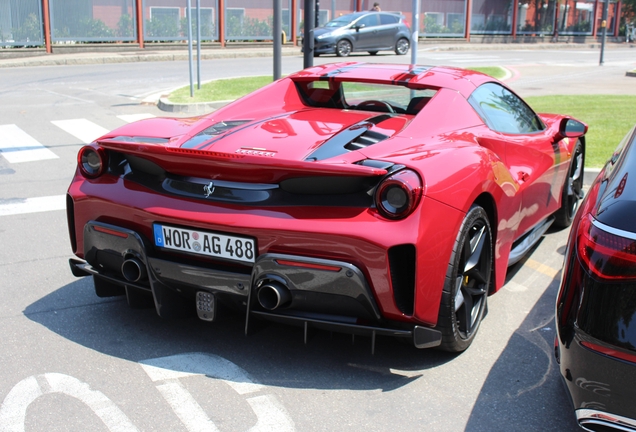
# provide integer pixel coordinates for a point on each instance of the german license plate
(205, 243)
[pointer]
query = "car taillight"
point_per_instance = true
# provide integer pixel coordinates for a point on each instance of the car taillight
(608, 351)
(604, 251)
(406, 23)
(91, 161)
(397, 195)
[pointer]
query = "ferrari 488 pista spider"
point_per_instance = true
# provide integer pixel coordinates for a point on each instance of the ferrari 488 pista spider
(363, 198)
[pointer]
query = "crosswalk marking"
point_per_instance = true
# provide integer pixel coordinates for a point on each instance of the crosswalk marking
(129, 118)
(17, 146)
(10, 207)
(84, 130)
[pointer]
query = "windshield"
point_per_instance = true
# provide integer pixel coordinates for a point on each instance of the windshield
(339, 22)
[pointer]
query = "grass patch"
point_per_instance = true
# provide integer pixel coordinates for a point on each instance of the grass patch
(220, 90)
(609, 118)
(494, 71)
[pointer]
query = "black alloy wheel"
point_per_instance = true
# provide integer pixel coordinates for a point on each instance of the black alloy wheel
(572, 189)
(468, 282)
(343, 48)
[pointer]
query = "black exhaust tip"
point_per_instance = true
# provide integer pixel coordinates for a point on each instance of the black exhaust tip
(133, 270)
(273, 295)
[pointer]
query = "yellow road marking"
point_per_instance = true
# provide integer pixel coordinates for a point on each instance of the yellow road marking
(541, 268)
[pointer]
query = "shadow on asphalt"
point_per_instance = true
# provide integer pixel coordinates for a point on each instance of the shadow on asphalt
(523, 391)
(328, 361)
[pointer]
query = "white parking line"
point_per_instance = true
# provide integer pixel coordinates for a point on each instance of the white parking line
(166, 372)
(32, 205)
(129, 118)
(13, 411)
(82, 129)
(17, 146)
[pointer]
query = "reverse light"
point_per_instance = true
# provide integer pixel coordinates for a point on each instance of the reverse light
(91, 161)
(398, 195)
(608, 253)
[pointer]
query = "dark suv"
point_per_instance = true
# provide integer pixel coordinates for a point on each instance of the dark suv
(363, 31)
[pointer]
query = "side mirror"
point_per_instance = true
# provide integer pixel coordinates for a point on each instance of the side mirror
(358, 27)
(570, 128)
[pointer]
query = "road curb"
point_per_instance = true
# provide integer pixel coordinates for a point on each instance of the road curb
(38, 58)
(589, 175)
(136, 57)
(164, 104)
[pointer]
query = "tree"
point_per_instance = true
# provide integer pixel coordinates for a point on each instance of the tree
(628, 11)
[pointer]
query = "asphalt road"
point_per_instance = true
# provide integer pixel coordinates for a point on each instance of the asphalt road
(71, 361)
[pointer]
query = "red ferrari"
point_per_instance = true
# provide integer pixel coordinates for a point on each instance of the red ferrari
(363, 198)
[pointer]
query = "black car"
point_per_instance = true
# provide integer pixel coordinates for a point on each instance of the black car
(596, 305)
(363, 31)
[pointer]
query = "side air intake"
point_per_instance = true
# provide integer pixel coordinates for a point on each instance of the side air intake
(402, 270)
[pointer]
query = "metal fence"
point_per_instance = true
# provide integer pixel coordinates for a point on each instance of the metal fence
(93, 20)
(167, 20)
(21, 23)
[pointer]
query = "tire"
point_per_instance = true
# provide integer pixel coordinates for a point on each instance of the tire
(468, 282)
(402, 46)
(572, 189)
(343, 48)
(373, 53)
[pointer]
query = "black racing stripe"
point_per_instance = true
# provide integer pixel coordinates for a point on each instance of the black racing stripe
(338, 71)
(204, 145)
(379, 119)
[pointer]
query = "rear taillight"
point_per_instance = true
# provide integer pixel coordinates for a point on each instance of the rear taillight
(91, 161)
(609, 351)
(608, 253)
(398, 194)
(406, 23)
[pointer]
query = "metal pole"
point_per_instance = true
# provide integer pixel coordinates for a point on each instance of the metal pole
(308, 38)
(190, 47)
(199, 44)
(278, 35)
(46, 16)
(415, 26)
(140, 22)
(604, 30)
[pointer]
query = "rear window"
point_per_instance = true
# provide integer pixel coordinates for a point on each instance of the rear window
(364, 96)
(389, 19)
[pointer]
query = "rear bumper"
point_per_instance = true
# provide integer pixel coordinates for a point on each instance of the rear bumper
(325, 294)
(594, 420)
(602, 389)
